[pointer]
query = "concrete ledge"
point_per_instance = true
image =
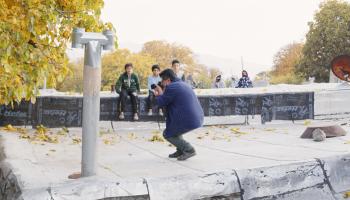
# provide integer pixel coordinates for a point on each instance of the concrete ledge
(303, 180)
(316, 179)
(10, 188)
(193, 186)
(337, 169)
(90, 188)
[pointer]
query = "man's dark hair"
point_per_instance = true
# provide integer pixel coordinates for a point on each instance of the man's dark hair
(155, 67)
(168, 74)
(128, 65)
(174, 62)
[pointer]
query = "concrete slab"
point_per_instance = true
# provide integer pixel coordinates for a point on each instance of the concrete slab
(127, 152)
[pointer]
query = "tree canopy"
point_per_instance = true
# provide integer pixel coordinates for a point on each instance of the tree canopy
(285, 62)
(158, 52)
(328, 37)
(34, 38)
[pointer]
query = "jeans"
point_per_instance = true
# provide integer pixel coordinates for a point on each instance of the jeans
(123, 97)
(180, 144)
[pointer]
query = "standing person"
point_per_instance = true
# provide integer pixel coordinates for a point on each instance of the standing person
(153, 79)
(184, 112)
(128, 85)
(175, 65)
(244, 81)
(218, 83)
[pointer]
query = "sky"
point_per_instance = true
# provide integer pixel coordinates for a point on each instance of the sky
(233, 30)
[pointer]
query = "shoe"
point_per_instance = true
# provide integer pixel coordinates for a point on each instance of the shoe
(121, 115)
(149, 112)
(186, 155)
(136, 117)
(160, 112)
(176, 154)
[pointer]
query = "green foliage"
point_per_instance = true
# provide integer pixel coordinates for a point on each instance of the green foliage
(285, 62)
(328, 37)
(34, 37)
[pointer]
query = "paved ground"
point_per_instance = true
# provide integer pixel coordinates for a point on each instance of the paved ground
(127, 152)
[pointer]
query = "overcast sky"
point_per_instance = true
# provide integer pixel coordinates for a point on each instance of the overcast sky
(253, 29)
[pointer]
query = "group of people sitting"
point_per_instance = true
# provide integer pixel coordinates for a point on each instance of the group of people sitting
(244, 81)
(128, 85)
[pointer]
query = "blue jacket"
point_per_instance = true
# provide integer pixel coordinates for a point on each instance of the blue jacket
(183, 110)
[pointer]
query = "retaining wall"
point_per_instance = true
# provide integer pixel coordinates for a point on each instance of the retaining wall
(317, 179)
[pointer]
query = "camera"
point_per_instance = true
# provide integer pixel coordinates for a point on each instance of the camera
(153, 86)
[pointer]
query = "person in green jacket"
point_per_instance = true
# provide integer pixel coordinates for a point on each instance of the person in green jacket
(128, 84)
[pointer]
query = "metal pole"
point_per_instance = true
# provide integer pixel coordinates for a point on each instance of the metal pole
(93, 42)
(91, 107)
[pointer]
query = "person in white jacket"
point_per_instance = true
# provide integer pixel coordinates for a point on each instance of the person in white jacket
(218, 83)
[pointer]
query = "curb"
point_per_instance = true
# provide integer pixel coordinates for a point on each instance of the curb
(318, 179)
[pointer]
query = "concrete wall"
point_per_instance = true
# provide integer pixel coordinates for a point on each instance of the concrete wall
(318, 179)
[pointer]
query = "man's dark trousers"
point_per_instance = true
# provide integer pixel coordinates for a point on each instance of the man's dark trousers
(123, 97)
(180, 144)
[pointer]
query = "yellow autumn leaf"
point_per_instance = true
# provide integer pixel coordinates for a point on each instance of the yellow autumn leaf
(9, 127)
(132, 136)
(307, 122)
(156, 137)
(237, 131)
(76, 140)
(347, 194)
(24, 136)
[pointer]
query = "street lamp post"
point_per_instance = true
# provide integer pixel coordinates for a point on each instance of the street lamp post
(93, 43)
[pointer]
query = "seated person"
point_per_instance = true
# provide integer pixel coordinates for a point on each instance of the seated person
(244, 81)
(128, 84)
(153, 79)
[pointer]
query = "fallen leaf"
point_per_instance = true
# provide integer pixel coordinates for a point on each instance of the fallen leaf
(347, 194)
(237, 131)
(269, 129)
(307, 122)
(132, 136)
(76, 140)
(9, 127)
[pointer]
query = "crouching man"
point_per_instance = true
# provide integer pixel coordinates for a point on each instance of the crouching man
(184, 113)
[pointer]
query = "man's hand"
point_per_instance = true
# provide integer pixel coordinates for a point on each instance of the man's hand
(158, 91)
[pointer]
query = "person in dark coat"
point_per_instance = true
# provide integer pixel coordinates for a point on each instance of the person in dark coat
(244, 81)
(184, 112)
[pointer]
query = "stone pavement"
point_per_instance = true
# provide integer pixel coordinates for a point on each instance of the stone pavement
(127, 152)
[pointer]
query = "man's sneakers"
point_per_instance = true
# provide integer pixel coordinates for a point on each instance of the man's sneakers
(186, 155)
(182, 155)
(121, 116)
(149, 112)
(176, 154)
(136, 117)
(160, 112)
